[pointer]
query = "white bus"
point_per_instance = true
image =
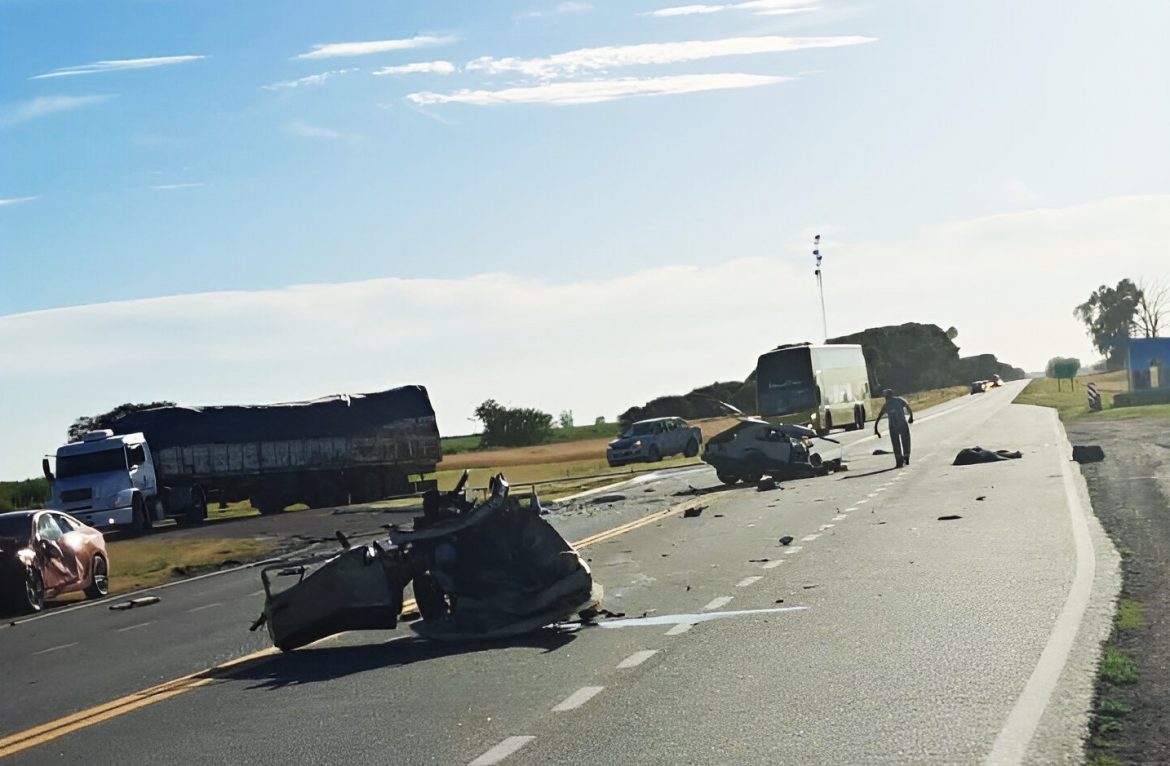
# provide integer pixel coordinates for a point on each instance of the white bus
(829, 384)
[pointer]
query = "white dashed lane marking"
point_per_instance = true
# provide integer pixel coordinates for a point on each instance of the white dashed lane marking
(205, 606)
(135, 627)
(637, 658)
(793, 549)
(773, 564)
(578, 698)
(853, 508)
(826, 526)
(809, 538)
(55, 648)
(839, 517)
(748, 581)
(501, 751)
(679, 629)
(716, 603)
(861, 502)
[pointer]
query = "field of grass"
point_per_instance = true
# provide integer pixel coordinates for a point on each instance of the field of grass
(570, 471)
(153, 560)
(454, 445)
(1071, 401)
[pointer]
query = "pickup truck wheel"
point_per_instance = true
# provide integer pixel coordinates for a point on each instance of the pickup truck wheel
(728, 478)
(99, 579)
(692, 448)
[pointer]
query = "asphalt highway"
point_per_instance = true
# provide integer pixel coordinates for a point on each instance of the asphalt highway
(881, 634)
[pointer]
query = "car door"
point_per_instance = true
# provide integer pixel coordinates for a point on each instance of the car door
(75, 547)
(58, 569)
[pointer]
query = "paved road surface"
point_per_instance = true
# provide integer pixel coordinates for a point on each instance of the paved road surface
(903, 639)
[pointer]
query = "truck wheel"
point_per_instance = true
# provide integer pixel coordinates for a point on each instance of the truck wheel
(139, 521)
(860, 417)
(727, 478)
(828, 424)
(269, 507)
(197, 513)
(692, 448)
(99, 579)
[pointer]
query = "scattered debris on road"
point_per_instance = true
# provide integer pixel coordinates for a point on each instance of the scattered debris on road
(134, 603)
(786, 539)
(1091, 453)
(603, 499)
(981, 497)
(479, 570)
(949, 518)
(880, 451)
(767, 485)
(694, 513)
(758, 561)
(976, 455)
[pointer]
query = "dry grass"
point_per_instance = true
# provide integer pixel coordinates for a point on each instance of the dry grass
(151, 560)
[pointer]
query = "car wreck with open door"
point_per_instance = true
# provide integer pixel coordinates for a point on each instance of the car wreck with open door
(478, 570)
(754, 448)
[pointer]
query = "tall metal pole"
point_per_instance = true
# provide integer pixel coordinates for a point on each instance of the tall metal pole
(821, 287)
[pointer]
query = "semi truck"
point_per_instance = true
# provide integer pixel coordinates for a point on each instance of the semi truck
(827, 383)
(170, 462)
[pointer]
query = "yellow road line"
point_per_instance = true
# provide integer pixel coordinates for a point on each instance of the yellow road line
(39, 735)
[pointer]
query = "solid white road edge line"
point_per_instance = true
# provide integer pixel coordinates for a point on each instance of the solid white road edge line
(501, 751)
(578, 698)
(1012, 743)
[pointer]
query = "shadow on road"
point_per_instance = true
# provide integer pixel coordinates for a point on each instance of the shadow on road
(869, 473)
(329, 663)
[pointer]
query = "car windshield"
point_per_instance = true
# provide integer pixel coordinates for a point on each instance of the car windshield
(640, 429)
(15, 527)
(91, 462)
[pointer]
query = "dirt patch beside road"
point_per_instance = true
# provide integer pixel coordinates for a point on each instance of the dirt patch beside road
(1129, 490)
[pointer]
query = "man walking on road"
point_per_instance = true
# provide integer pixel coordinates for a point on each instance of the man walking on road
(896, 409)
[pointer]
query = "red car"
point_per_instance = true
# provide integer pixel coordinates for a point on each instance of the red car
(45, 554)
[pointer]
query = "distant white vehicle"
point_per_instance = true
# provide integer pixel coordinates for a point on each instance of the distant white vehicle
(829, 383)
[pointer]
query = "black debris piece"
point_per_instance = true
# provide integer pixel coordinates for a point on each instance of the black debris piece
(766, 485)
(786, 539)
(981, 497)
(694, 513)
(779, 601)
(758, 561)
(1091, 453)
(648, 489)
(808, 587)
(607, 499)
(880, 451)
(949, 518)
(134, 603)
(975, 455)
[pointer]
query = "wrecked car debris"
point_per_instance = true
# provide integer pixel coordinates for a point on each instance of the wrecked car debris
(754, 448)
(952, 517)
(976, 455)
(478, 570)
(695, 512)
(786, 539)
(134, 603)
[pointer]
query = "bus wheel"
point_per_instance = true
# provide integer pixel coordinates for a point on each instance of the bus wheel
(860, 417)
(727, 478)
(828, 424)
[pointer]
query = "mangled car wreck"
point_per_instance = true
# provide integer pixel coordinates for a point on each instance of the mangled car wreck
(478, 570)
(753, 448)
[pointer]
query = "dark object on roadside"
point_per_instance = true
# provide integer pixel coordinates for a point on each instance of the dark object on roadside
(975, 455)
(786, 539)
(758, 561)
(45, 554)
(979, 386)
(808, 587)
(779, 601)
(719, 515)
(694, 513)
(607, 499)
(880, 451)
(766, 485)
(1091, 453)
(134, 603)
(981, 497)
(949, 518)
(479, 571)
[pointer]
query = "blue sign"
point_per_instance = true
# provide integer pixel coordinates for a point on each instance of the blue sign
(1149, 364)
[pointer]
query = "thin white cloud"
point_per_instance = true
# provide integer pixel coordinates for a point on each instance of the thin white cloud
(16, 200)
(758, 7)
(308, 130)
(171, 187)
(117, 65)
(611, 57)
(312, 79)
(568, 6)
(419, 67)
(596, 91)
(336, 50)
(43, 106)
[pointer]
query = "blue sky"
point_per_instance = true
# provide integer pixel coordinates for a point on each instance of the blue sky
(252, 148)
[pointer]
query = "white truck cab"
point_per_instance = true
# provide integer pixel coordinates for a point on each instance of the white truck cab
(106, 481)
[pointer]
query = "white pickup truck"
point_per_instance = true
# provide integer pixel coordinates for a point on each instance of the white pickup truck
(648, 441)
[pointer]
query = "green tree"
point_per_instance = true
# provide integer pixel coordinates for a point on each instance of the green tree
(87, 423)
(512, 426)
(1108, 316)
(565, 420)
(1063, 368)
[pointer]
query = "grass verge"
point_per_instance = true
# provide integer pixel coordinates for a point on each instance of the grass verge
(1071, 401)
(1116, 672)
(154, 560)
